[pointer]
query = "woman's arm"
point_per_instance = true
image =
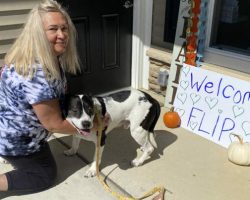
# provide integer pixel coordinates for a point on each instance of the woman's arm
(50, 116)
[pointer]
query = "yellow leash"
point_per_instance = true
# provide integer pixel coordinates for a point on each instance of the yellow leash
(161, 190)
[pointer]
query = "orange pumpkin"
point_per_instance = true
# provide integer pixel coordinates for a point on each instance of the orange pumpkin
(172, 119)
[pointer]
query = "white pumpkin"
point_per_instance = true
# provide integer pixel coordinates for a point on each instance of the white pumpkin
(239, 152)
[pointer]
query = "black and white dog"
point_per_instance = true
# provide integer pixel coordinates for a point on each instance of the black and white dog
(132, 109)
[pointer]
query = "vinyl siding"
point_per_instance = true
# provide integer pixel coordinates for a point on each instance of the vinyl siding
(13, 14)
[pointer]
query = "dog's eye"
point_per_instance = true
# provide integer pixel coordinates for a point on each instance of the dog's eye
(74, 109)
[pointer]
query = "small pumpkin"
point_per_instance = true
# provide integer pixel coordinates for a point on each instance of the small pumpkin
(172, 119)
(239, 152)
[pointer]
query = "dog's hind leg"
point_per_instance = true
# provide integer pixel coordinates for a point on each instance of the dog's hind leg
(74, 147)
(142, 127)
(141, 136)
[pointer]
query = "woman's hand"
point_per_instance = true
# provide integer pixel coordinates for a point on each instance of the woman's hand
(50, 116)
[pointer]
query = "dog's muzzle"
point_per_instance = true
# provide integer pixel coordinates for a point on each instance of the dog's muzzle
(83, 132)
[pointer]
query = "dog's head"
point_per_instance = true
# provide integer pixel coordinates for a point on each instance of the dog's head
(81, 112)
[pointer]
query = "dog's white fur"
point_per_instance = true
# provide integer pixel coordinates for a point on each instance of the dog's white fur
(3, 161)
(129, 113)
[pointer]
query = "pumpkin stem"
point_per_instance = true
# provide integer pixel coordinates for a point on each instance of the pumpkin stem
(239, 138)
(172, 109)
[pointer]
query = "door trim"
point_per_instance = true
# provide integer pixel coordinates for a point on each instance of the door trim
(141, 40)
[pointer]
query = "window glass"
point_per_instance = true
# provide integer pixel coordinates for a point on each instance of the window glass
(231, 26)
(164, 22)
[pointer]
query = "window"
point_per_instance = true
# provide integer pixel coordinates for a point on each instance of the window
(229, 41)
(165, 16)
(233, 27)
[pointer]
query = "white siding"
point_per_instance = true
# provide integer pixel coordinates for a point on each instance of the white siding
(13, 14)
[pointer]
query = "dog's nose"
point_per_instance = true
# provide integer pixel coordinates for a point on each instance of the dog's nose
(86, 124)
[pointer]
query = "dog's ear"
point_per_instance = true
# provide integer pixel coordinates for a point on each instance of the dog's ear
(65, 105)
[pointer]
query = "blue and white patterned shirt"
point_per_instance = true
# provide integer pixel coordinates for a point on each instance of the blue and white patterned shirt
(21, 133)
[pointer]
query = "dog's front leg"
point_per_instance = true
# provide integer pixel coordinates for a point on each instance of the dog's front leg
(91, 172)
(74, 147)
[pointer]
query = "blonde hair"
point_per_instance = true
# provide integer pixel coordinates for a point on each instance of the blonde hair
(32, 46)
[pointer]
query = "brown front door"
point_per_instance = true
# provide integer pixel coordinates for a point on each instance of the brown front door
(104, 44)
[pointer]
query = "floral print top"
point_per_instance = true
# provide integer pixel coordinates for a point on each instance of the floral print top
(21, 133)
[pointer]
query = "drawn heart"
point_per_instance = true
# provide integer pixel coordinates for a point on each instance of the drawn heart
(182, 97)
(211, 102)
(195, 97)
(237, 111)
(246, 127)
(185, 70)
(193, 125)
(245, 138)
(232, 137)
(180, 111)
(184, 84)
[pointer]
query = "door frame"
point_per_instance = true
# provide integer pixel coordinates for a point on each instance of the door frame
(141, 41)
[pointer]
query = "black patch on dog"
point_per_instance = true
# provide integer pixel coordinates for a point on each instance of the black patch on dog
(154, 112)
(104, 136)
(101, 101)
(74, 107)
(144, 99)
(120, 96)
(88, 104)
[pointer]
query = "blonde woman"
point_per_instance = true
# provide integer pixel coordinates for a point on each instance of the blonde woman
(32, 89)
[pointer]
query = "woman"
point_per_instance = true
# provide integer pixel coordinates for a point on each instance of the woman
(32, 88)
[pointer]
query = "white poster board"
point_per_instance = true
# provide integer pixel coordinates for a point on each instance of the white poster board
(213, 105)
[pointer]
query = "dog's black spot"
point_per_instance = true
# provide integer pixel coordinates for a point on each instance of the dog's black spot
(120, 96)
(143, 98)
(103, 137)
(88, 104)
(101, 101)
(154, 112)
(74, 107)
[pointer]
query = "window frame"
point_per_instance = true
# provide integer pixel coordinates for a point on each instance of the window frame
(232, 60)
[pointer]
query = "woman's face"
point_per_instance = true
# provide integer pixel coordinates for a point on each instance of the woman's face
(56, 29)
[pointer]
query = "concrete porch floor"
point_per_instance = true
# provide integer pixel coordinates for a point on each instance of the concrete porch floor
(187, 165)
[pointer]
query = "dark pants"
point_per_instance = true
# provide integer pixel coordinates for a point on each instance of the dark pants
(32, 173)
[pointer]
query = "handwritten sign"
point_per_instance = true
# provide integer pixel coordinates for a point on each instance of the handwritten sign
(213, 105)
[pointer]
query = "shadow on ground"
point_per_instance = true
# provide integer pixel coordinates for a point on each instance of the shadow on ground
(121, 148)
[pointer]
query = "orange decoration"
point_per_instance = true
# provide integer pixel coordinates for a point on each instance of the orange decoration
(191, 43)
(196, 6)
(171, 119)
(191, 31)
(190, 58)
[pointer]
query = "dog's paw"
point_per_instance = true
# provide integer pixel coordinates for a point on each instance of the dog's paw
(70, 152)
(136, 162)
(3, 161)
(90, 173)
(142, 149)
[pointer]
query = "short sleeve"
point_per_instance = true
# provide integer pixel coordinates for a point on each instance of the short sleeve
(38, 89)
